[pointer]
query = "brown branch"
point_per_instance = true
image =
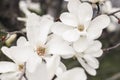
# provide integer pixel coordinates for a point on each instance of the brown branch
(114, 77)
(23, 73)
(114, 12)
(113, 47)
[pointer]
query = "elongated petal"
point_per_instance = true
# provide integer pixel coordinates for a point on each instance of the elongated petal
(6, 51)
(88, 68)
(85, 13)
(59, 47)
(38, 28)
(32, 63)
(100, 22)
(45, 25)
(82, 44)
(40, 73)
(32, 27)
(7, 67)
(52, 65)
(94, 35)
(97, 53)
(97, 25)
(73, 74)
(59, 28)
(73, 6)
(69, 19)
(93, 62)
(61, 69)
(11, 76)
(71, 35)
(21, 54)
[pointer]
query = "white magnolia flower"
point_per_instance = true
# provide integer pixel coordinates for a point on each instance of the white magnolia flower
(12, 71)
(22, 53)
(38, 29)
(78, 22)
(87, 58)
(108, 9)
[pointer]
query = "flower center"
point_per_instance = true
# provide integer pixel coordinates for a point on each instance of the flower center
(81, 28)
(21, 67)
(40, 51)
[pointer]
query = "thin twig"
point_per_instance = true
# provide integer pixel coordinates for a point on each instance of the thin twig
(114, 12)
(114, 77)
(113, 47)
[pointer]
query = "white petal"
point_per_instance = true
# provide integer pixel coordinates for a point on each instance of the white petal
(82, 44)
(85, 13)
(21, 54)
(32, 27)
(11, 76)
(59, 28)
(59, 46)
(73, 6)
(33, 62)
(6, 51)
(45, 25)
(94, 33)
(69, 19)
(67, 56)
(7, 67)
(38, 29)
(40, 73)
(97, 25)
(100, 22)
(97, 53)
(94, 47)
(61, 69)
(71, 35)
(89, 69)
(93, 62)
(73, 74)
(21, 41)
(52, 65)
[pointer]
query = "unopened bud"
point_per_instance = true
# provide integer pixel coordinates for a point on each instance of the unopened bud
(11, 39)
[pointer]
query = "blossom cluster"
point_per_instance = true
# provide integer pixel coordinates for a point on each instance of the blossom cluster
(40, 56)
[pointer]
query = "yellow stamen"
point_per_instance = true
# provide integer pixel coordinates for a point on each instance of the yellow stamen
(40, 51)
(81, 28)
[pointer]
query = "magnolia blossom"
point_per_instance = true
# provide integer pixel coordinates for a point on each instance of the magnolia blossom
(34, 65)
(108, 9)
(78, 22)
(21, 54)
(86, 51)
(87, 58)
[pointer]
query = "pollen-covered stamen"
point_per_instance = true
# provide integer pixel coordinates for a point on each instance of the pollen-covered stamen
(40, 51)
(81, 28)
(21, 67)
